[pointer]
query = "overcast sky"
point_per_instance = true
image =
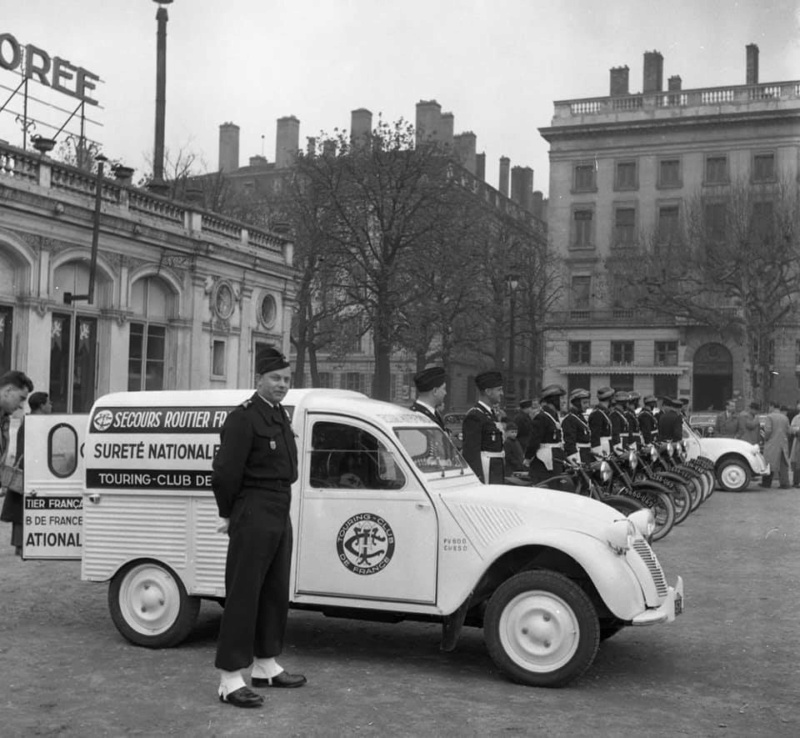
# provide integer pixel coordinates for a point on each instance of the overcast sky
(497, 65)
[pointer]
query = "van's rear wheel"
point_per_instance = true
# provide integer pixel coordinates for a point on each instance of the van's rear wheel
(149, 605)
(541, 629)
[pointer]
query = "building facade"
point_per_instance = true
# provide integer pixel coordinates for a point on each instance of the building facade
(181, 298)
(629, 163)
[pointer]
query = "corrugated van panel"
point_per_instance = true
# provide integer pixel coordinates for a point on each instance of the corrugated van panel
(210, 550)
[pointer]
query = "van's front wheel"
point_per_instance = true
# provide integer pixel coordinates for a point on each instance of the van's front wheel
(149, 605)
(541, 629)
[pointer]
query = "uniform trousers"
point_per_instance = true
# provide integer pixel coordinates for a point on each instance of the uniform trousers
(256, 580)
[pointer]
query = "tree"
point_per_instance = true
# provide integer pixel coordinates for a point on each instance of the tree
(384, 201)
(732, 265)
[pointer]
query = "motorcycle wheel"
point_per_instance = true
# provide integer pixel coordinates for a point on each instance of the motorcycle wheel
(660, 502)
(623, 504)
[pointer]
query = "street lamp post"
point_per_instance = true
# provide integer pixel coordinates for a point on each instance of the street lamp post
(511, 385)
(158, 184)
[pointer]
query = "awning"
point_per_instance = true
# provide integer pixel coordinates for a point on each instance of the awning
(621, 369)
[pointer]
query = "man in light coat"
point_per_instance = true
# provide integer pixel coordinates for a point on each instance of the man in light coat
(776, 446)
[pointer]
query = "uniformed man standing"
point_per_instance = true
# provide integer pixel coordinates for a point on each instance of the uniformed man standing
(524, 421)
(431, 391)
(634, 432)
(670, 420)
(600, 423)
(648, 424)
(577, 436)
(545, 452)
(252, 477)
(483, 438)
(619, 421)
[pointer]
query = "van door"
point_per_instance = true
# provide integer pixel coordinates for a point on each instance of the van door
(367, 529)
(54, 486)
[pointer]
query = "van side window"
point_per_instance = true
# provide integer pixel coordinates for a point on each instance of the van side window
(343, 456)
(62, 450)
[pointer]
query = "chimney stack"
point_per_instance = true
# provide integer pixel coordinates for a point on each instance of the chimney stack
(228, 147)
(505, 165)
(522, 187)
(653, 72)
(465, 150)
(287, 142)
(752, 64)
(360, 126)
(620, 81)
(311, 145)
(446, 127)
(480, 166)
(674, 83)
(429, 121)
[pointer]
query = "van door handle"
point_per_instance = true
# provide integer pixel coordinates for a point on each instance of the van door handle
(423, 506)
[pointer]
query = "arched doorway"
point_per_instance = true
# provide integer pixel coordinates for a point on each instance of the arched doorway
(712, 377)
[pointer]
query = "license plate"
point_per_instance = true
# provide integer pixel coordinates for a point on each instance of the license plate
(678, 604)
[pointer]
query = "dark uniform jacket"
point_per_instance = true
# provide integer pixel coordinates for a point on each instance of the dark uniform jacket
(546, 430)
(634, 435)
(619, 427)
(258, 452)
(524, 427)
(435, 416)
(670, 425)
(599, 425)
(576, 430)
(480, 434)
(648, 426)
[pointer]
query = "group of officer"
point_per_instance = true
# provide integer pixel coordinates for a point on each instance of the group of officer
(548, 437)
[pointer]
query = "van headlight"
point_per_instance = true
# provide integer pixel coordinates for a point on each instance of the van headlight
(619, 535)
(605, 471)
(644, 522)
(633, 459)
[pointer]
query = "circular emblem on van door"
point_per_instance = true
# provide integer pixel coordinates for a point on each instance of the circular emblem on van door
(102, 420)
(365, 544)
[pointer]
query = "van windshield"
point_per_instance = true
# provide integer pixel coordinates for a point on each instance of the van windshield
(431, 449)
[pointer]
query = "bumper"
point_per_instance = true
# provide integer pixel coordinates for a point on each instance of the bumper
(759, 465)
(669, 609)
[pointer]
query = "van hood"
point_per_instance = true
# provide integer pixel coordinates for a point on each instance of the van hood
(487, 511)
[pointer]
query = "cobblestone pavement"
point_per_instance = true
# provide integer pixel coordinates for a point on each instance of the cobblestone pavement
(727, 667)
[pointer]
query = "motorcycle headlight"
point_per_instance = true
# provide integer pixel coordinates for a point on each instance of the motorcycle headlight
(633, 459)
(605, 471)
(619, 534)
(653, 453)
(670, 448)
(644, 521)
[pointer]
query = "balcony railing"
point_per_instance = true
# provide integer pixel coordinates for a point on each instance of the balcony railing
(675, 100)
(615, 316)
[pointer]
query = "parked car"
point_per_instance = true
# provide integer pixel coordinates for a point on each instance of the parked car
(453, 424)
(704, 424)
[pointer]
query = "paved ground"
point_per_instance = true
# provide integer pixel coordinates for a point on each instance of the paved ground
(728, 667)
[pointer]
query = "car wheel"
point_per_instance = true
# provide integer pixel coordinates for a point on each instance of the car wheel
(149, 605)
(541, 629)
(733, 475)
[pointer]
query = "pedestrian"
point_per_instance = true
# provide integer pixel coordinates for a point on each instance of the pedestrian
(670, 420)
(648, 423)
(577, 436)
(515, 455)
(482, 435)
(523, 419)
(794, 456)
(726, 424)
(600, 423)
(749, 427)
(776, 446)
(431, 391)
(545, 452)
(14, 388)
(252, 480)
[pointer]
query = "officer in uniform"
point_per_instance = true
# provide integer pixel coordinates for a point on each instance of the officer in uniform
(483, 437)
(577, 436)
(670, 420)
(600, 423)
(634, 432)
(545, 452)
(252, 476)
(619, 421)
(524, 421)
(431, 391)
(648, 424)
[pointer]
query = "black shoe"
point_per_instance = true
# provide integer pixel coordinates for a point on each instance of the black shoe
(243, 697)
(284, 680)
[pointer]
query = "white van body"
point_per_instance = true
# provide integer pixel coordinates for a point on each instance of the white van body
(422, 538)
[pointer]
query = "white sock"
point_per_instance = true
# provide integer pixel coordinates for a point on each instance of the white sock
(230, 681)
(266, 668)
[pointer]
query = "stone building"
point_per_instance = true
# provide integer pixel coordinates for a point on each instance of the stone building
(627, 163)
(514, 198)
(182, 298)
